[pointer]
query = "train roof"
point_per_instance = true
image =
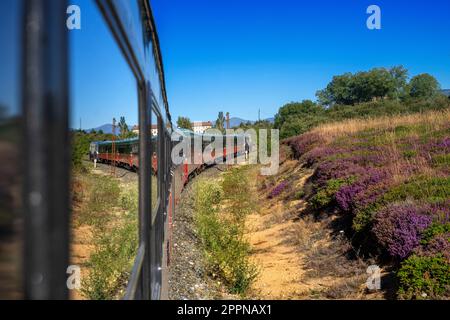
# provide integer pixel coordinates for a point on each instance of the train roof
(185, 132)
(130, 140)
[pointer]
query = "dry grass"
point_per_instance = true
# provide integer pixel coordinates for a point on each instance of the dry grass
(434, 120)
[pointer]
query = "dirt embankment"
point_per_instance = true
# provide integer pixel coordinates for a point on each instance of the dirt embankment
(300, 255)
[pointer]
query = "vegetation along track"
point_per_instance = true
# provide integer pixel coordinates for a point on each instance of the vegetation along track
(347, 196)
(104, 229)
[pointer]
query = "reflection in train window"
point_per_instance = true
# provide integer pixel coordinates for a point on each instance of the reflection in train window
(155, 162)
(10, 171)
(105, 159)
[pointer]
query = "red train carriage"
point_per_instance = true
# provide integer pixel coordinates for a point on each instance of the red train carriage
(122, 153)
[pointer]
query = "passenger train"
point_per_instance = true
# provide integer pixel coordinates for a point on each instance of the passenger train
(35, 206)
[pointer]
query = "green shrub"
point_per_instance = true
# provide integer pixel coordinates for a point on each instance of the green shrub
(432, 189)
(235, 186)
(299, 194)
(364, 217)
(80, 147)
(434, 230)
(409, 154)
(116, 247)
(104, 194)
(234, 183)
(222, 236)
(420, 276)
(442, 161)
(326, 195)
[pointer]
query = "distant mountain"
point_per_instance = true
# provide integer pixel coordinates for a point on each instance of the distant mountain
(106, 128)
(235, 121)
(446, 92)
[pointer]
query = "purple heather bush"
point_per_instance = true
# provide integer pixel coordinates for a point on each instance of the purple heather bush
(335, 169)
(440, 212)
(278, 189)
(318, 154)
(435, 147)
(439, 245)
(346, 196)
(304, 143)
(398, 227)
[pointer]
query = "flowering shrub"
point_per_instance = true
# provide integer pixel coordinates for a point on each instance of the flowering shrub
(278, 190)
(398, 227)
(346, 196)
(304, 143)
(317, 154)
(327, 194)
(395, 184)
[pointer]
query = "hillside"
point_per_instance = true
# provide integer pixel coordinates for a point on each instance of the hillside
(388, 179)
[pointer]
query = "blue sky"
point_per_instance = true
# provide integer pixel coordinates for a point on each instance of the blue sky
(102, 84)
(9, 56)
(241, 55)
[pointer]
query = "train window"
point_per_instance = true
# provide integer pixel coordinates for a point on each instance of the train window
(105, 159)
(156, 163)
(10, 172)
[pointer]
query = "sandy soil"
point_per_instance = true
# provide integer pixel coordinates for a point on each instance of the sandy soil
(275, 252)
(298, 256)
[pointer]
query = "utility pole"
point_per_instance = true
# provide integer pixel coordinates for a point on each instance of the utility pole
(113, 151)
(259, 115)
(228, 120)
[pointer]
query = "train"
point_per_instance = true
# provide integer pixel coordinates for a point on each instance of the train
(36, 143)
(125, 153)
(122, 153)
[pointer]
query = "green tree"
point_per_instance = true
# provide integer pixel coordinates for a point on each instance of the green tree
(399, 75)
(124, 131)
(220, 122)
(364, 86)
(423, 86)
(295, 109)
(184, 123)
(339, 90)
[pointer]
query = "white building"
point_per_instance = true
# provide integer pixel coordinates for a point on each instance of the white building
(154, 130)
(201, 126)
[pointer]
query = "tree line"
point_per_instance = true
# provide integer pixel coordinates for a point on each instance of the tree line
(379, 91)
